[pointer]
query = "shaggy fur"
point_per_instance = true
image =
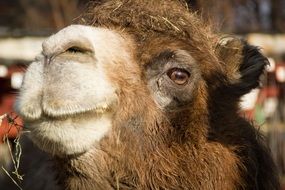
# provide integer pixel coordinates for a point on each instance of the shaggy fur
(164, 135)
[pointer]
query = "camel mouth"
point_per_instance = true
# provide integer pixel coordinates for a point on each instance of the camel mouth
(36, 107)
(77, 110)
(70, 132)
(30, 113)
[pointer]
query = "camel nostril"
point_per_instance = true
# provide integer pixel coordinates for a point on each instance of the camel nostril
(67, 41)
(75, 49)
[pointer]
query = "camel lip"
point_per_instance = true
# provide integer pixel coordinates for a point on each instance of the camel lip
(77, 109)
(62, 113)
(65, 113)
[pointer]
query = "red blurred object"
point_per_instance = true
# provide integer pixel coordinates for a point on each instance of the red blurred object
(11, 124)
(10, 127)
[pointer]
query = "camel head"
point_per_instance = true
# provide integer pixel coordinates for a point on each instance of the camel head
(90, 78)
(140, 91)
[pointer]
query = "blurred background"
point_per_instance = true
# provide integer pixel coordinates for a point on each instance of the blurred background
(24, 24)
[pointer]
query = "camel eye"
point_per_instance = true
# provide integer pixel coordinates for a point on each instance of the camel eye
(179, 76)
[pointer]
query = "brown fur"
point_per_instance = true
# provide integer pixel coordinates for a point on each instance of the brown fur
(205, 145)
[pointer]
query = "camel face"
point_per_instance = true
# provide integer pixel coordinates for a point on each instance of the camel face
(67, 98)
(73, 90)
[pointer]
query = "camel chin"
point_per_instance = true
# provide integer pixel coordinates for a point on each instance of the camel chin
(70, 136)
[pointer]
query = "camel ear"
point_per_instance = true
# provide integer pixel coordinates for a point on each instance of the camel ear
(243, 64)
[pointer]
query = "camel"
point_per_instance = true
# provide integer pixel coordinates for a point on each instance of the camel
(142, 94)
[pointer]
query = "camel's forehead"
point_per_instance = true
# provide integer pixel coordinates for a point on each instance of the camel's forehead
(107, 43)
